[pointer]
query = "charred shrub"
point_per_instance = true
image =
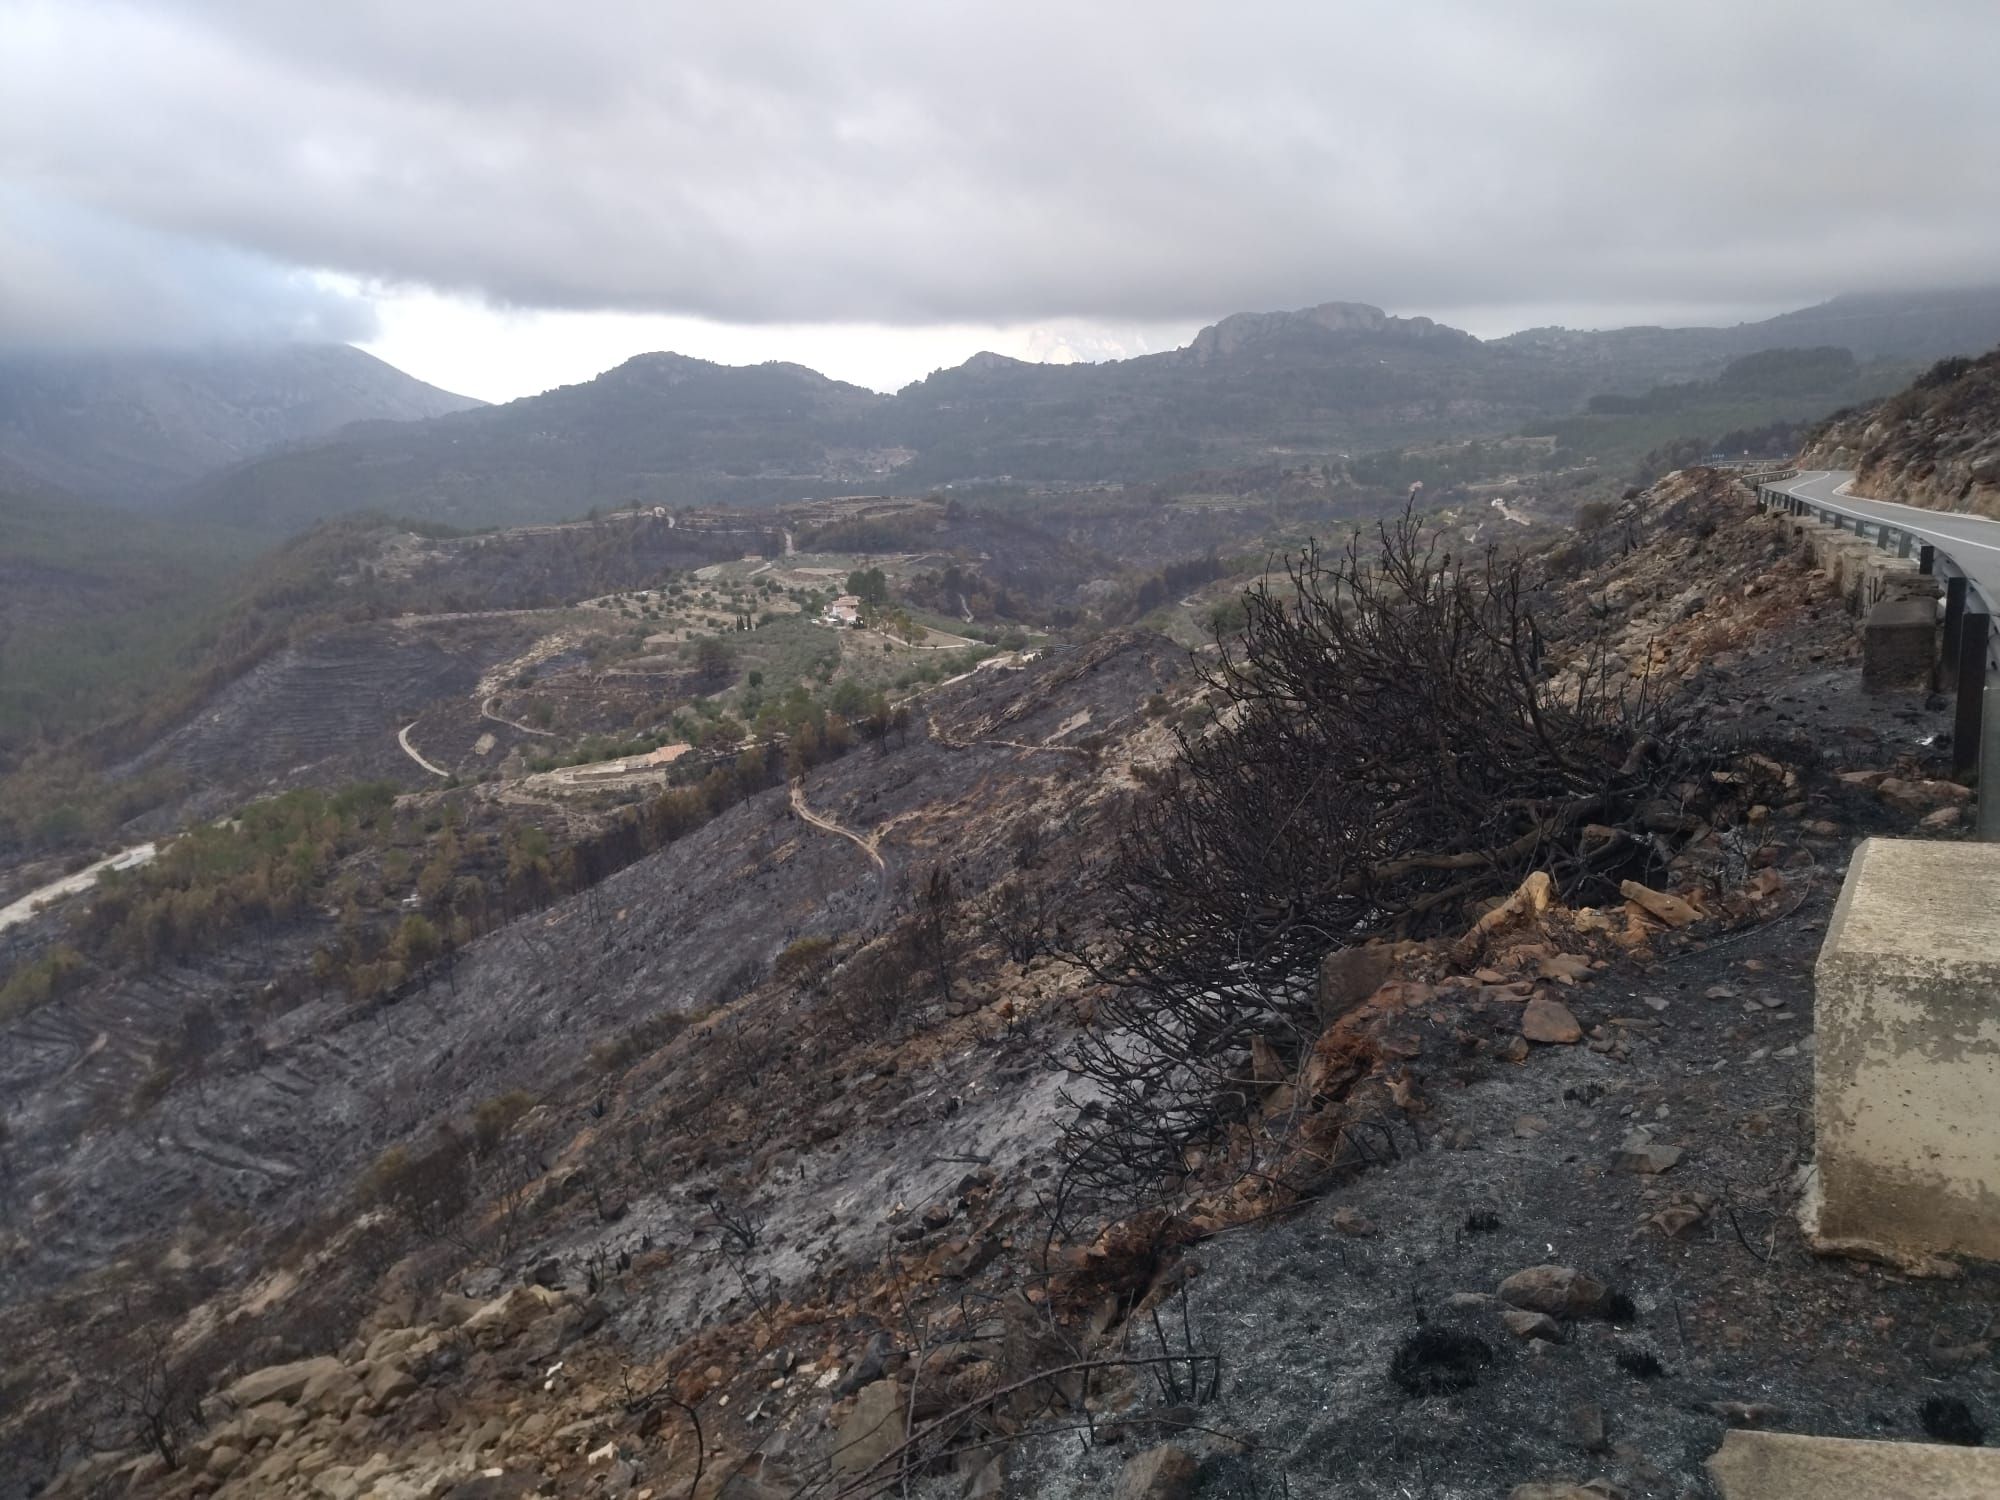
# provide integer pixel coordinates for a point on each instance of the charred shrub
(1392, 743)
(1482, 1221)
(1641, 1364)
(1436, 1361)
(1950, 1420)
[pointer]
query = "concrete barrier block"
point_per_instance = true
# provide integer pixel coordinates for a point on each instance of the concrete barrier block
(1899, 645)
(1790, 1466)
(1906, 1076)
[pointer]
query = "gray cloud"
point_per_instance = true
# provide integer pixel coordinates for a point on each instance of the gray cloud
(910, 162)
(70, 275)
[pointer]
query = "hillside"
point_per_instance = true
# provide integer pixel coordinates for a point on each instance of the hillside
(128, 426)
(95, 605)
(1307, 387)
(659, 428)
(755, 1137)
(1935, 444)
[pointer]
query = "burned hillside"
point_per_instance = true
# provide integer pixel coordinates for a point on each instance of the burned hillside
(770, 1163)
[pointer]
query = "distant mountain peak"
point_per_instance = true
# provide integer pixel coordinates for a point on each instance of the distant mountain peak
(1242, 332)
(127, 425)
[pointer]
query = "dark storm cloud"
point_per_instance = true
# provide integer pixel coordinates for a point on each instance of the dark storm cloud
(918, 162)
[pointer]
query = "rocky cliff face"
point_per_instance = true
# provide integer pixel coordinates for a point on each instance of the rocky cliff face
(1936, 444)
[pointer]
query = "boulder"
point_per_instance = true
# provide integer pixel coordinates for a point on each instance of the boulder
(278, 1382)
(334, 1391)
(1163, 1473)
(1550, 1022)
(1559, 1291)
(389, 1382)
(1526, 1325)
(872, 1430)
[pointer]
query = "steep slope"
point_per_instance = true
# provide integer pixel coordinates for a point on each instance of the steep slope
(1935, 444)
(127, 426)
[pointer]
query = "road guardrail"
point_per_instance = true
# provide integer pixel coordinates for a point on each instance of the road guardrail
(1970, 655)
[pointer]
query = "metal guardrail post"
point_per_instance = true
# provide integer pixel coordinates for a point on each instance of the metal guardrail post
(1954, 610)
(1987, 812)
(1927, 560)
(1969, 712)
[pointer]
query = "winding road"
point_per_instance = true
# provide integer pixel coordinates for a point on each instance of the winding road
(1972, 541)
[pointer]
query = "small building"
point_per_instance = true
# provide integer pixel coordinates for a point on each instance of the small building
(844, 610)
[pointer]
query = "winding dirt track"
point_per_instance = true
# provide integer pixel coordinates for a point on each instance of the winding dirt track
(403, 739)
(827, 825)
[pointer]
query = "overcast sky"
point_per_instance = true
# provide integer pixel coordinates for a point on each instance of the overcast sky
(501, 195)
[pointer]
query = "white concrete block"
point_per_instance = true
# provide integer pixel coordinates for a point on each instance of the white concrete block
(1907, 1060)
(1789, 1466)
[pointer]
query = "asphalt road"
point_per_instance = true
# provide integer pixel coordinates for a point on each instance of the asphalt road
(1972, 543)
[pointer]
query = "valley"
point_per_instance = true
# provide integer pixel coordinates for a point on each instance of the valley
(767, 953)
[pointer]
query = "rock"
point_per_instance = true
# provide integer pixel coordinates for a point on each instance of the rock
(1526, 1325)
(1922, 796)
(333, 1391)
(223, 1461)
(872, 1430)
(391, 1342)
(1527, 1127)
(1351, 1222)
(507, 1316)
(1596, 1489)
(1348, 976)
(1677, 1219)
(548, 1273)
(1560, 1291)
(868, 1366)
(1549, 1021)
(1944, 817)
(270, 1421)
(1163, 1473)
(1639, 1153)
(278, 1382)
(389, 1382)
(1566, 968)
(1746, 1413)
(1669, 909)
(937, 1216)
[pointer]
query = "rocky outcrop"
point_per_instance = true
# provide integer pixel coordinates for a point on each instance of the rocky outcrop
(1936, 444)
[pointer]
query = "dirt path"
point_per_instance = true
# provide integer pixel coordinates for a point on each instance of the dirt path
(827, 825)
(403, 739)
(487, 711)
(17, 912)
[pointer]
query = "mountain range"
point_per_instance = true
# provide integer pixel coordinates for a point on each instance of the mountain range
(131, 426)
(315, 432)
